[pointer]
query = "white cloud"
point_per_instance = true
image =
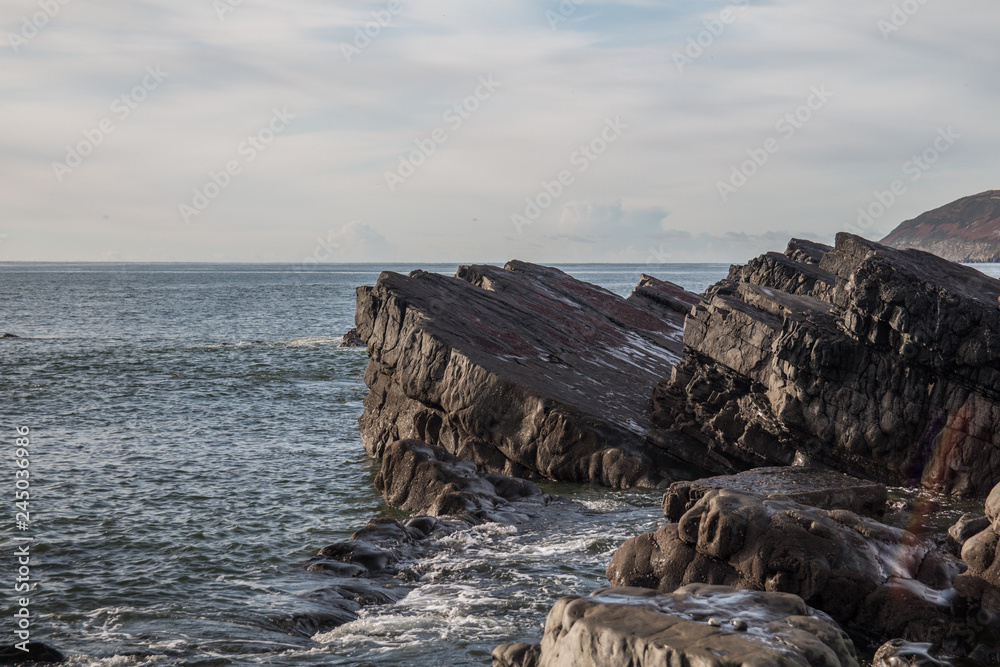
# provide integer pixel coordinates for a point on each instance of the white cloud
(354, 119)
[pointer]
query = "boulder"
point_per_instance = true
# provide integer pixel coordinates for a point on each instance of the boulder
(708, 626)
(967, 526)
(352, 339)
(526, 371)
(802, 484)
(426, 479)
(881, 363)
(879, 582)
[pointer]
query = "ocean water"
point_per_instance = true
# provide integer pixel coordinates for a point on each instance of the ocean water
(193, 440)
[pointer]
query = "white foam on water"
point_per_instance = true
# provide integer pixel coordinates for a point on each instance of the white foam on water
(314, 341)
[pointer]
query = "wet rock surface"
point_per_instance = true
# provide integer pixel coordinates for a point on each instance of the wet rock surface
(375, 565)
(352, 339)
(426, 479)
(710, 626)
(879, 582)
(802, 484)
(881, 363)
(525, 371)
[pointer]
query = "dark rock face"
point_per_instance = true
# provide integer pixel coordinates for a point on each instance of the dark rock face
(525, 371)
(709, 626)
(426, 479)
(800, 484)
(962, 231)
(879, 582)
(884, 364)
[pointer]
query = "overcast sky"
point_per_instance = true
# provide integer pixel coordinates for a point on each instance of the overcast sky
(342, 146)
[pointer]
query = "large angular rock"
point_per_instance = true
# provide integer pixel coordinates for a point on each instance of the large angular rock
(882, 363)
(879, 582)
(708, 626)
(526, 371)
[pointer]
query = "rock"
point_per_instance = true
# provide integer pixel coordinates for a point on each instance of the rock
(992, 506)
(967, 526)
(525, 371)
(352, 339)
(883, 364)
(363, 570)
(666, 300)
(517, 655)
(980, 552)
(423, 478)
(37, 652)
(372, 566)
(708, 626)
(878, 582)
(962, 231)
(801, 484)
(901, 653)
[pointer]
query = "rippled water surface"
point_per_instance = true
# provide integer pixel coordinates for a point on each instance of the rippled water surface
(194, 439)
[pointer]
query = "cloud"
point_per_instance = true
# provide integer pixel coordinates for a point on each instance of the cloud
(354, 242)
(686, 129)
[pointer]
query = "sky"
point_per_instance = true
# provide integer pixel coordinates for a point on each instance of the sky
(473, 131)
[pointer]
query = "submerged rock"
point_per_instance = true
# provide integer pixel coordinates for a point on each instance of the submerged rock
(526, 371)
(709, 626)
(882, 363)
(879, 582)
(37, 652)
(426, 479)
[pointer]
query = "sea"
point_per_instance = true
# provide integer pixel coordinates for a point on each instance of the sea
(190, 437)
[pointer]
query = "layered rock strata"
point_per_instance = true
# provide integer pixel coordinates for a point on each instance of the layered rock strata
(526, 371)
(882, 363)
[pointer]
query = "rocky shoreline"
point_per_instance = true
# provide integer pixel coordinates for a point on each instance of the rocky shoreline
(772, 410)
